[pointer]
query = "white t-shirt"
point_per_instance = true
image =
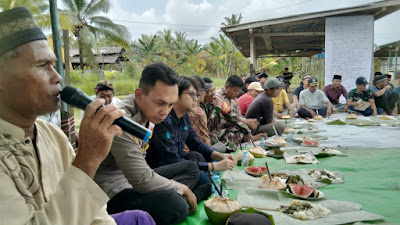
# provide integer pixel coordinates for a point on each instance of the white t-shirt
(316, 100)
(114, 101)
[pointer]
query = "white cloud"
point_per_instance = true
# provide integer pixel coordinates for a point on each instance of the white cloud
(211, 14)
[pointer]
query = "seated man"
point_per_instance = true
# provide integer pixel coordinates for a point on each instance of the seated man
(171, 135)
(41, 179)
(245, 100)
(105, 90)
(296, 93)
(198, 118)
(228, 94)
(125, 175)
(247, 82)
(314, 102)
(385, 97)
(334, 91)
(359, 95)
(218, 112)
(262, 107)
(262, 77)
(282, 100)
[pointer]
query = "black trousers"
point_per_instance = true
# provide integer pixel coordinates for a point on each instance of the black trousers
(165, 206)
(387, 103)
(303, 113)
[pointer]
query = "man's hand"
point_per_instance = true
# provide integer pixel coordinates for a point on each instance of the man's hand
(258, 136)
(96, 135)
(252, 123)
(217, 102)
(328, 112)
(291, 113)
(387, 87)
(190, 198)
(312, 113)
(225, 164)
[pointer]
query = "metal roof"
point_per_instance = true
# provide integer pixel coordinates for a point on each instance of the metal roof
(383, 50)
(298, 35)
(102, 51)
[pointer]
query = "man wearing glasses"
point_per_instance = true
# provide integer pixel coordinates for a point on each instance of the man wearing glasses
(171, 135)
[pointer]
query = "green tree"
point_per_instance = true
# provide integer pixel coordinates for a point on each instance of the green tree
(40, 12)
(88, 26)
(229, 21)
(146, 49)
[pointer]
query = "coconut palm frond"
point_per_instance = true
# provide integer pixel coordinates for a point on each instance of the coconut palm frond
(70, 4)
(97, 6)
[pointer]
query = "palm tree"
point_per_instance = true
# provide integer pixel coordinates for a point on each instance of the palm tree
(229, 21)
(87, 26)
(40, 12)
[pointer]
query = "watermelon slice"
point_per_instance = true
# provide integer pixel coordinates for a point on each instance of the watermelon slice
(307, 142)
(303, 191)
(256, 170)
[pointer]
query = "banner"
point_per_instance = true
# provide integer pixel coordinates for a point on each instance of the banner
(349, 49)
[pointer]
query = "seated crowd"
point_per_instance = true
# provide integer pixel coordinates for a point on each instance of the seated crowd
(116, 178)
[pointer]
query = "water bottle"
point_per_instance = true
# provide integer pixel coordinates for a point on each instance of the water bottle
(217, 182)
(245, 159)
(289, 137)
(263, 143)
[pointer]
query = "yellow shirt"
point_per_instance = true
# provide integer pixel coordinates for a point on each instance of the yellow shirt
(280, 101)
(40, 186)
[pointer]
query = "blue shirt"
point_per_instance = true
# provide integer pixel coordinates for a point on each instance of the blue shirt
(298, 90)
(169, 138)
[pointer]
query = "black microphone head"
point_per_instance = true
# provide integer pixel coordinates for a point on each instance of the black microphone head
(67, 93)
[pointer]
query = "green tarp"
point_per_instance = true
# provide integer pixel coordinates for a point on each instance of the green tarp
(371, 178)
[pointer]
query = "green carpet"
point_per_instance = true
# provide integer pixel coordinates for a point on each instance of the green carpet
(371, 178)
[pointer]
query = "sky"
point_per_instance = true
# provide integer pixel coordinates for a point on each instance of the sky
(201, 19)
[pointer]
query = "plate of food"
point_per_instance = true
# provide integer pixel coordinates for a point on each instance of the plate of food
(257, 152)
(327, 151)
(304, 192)
(280, 141)
(303, 210)
(310, 142)
(351, 116)
(275, 154)
(318, 117)
(256, 171)
(385, 118)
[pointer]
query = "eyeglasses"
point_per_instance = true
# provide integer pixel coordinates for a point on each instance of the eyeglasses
(192, 95)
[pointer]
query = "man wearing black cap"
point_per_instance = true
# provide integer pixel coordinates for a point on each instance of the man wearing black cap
(41, 179)
(385, 97)
(334, 91)
(361, 96)
(247, 82)
(314, 101)
(262, 78)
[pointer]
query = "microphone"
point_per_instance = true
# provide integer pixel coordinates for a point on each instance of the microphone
(78, 99)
